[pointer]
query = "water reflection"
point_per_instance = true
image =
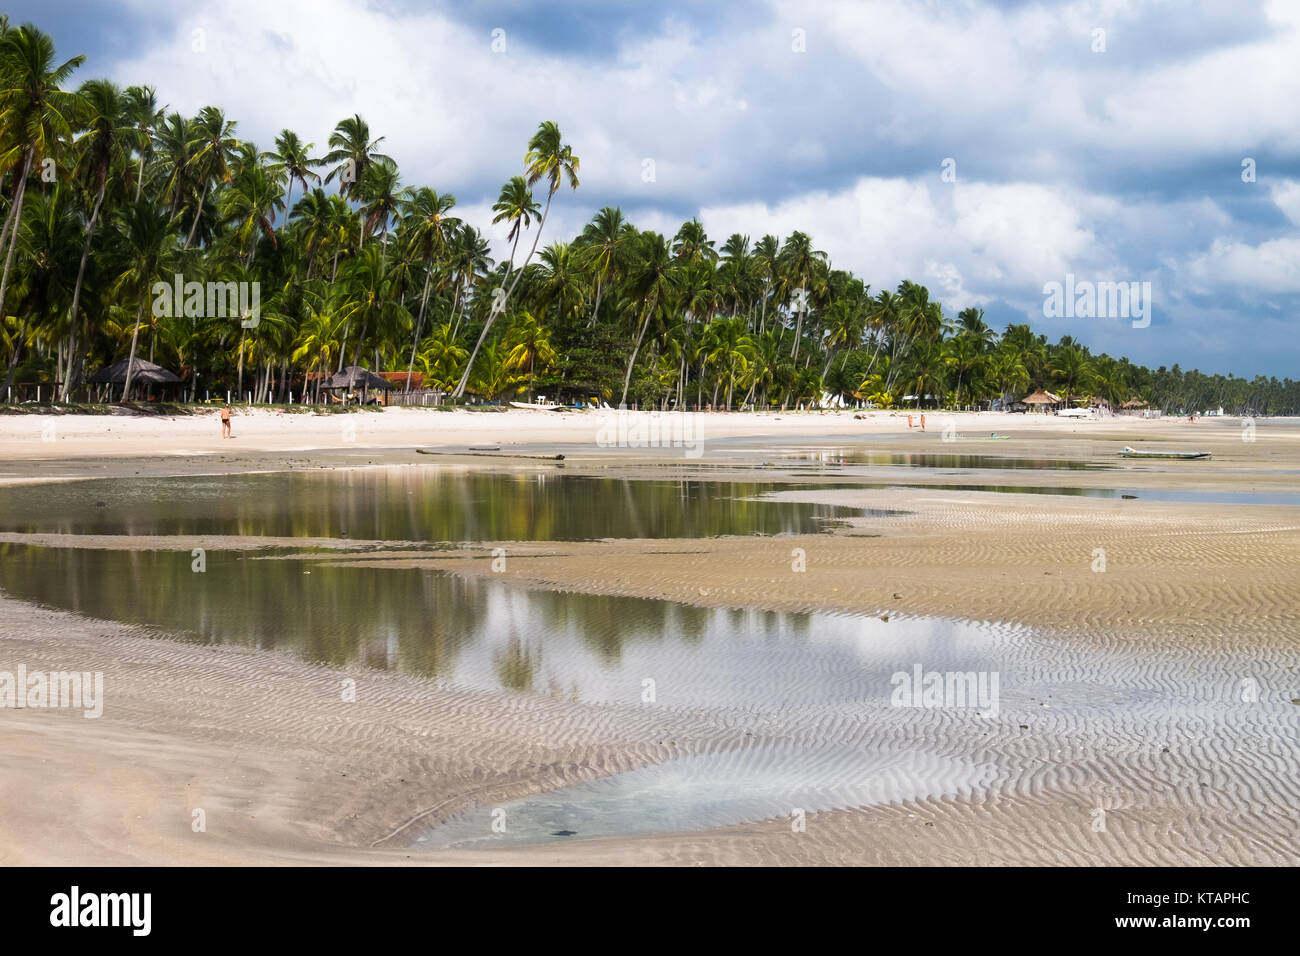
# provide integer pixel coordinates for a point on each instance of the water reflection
(408, 504)
(489, 635)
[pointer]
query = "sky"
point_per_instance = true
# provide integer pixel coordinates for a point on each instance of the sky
(982, 148)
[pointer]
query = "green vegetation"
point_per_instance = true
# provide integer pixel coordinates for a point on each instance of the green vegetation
(104, 193)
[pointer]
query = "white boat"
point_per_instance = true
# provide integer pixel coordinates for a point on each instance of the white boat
(543, 406)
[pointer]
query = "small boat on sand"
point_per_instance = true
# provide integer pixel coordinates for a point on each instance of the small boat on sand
(541, 406)
(1127, 452)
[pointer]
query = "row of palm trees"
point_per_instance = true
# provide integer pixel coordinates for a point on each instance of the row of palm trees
(106, 192)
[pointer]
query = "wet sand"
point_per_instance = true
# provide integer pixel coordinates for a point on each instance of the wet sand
(1134, 707)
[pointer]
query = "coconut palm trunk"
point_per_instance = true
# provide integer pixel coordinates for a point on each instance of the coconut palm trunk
(419, 327)
(194, 227)
(135, 339)
(73, 365)
(627, 378)
(17, 212)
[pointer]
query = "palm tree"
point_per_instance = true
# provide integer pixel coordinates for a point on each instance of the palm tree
(470, 260)
(49, 238)
(142, 114)
(729, 349)
(548, 158)
(292, 160)
(605, 241)
(104, 144)
(652, 280)
(1008, 371)
(147, 241)
(692, 245)
(516, 206)
(797, 267)
(428, 227)
(37, 118)
(382, 197)
(441, 355)
(1071, 366)
(252, 203)
(964, 359)
(562, 284)
(529, 346)
(211, 150)
(353, 150)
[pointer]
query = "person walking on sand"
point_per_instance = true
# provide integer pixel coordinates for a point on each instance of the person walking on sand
(922, 423)
(225, 422)
(909, 423)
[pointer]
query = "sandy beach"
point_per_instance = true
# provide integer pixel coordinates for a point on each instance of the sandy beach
(1159, 690)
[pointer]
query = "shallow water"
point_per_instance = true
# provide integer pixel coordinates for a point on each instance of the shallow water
(409, 504)
(761, 782)
(1285, 498)
(493, 636)
(842, 455)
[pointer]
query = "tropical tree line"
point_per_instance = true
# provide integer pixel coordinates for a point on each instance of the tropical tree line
(106, 192)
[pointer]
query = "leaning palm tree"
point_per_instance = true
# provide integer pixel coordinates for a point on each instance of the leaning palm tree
(470, 261)
(514, 205)
(548, 158)
(105, 144)
(37, 117)
(212, 147)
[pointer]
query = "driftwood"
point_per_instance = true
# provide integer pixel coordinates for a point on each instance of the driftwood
(487, 454)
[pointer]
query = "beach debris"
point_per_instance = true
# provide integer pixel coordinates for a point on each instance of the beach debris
(1129, 497)
(897, 596)
(484, 454)
(565, 833)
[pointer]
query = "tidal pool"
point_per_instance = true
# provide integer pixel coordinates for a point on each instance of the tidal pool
(409, 504)
(491, 635)
(702, 791)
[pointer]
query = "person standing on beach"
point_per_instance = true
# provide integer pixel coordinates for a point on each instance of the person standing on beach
(225, 422)
(922, 423)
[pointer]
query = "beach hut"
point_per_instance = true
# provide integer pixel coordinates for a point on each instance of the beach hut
(1043, 400)
(143, 374)
(355, 377)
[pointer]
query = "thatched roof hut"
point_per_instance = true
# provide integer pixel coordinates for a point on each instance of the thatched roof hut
(354, 377)
(1041, 397)
(142, 372)
(1134, 403)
